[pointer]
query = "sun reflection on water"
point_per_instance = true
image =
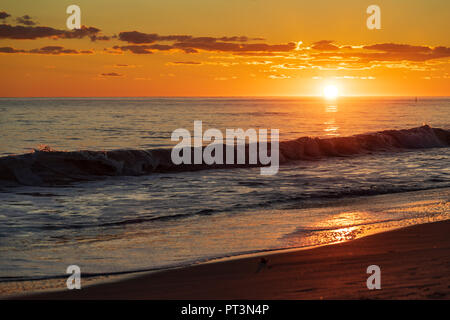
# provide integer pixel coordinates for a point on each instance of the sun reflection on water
(331, 128)
(331, 109)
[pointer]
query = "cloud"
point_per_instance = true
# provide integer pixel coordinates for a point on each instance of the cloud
(90, 32)
(144, 49)
(398, 52)
(184, 63)
(324, 45)
(381, 52)
(121, 65)
(351, 58)
(53, 50)
(134, 49)
(207, 45)
(10, 50)
(279, 76)
(26, 20)
(235, 39)
(4, 15)
(190, 44)
(31, 33)
(111, 74)
(259, 54)
(355, 77)
(198, 63)
(325, 54)
(258, 62)
(20, 32)
(395, 47)
(290, 66)
(234, 47)
(137, 37)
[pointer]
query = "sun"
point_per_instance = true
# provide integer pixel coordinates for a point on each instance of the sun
(330, 92)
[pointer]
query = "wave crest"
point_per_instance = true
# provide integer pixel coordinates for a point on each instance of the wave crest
(49, 167)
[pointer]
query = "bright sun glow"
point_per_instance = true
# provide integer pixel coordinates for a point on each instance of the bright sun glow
(330, 92)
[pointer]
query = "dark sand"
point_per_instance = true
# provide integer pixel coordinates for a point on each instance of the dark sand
(414, 262)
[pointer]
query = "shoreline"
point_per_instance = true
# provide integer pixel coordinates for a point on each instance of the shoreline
(414, 261)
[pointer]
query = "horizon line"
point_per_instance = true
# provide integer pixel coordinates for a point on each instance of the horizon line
(237, 96)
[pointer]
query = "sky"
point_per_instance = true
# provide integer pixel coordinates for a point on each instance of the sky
(224, 48)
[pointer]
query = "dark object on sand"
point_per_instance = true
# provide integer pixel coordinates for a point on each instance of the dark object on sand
(263, 263)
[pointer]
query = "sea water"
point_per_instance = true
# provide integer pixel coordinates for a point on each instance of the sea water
(68, 205)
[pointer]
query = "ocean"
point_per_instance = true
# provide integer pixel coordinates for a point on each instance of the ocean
(87, 182)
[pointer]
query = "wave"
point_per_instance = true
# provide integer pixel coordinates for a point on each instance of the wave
(49, 167)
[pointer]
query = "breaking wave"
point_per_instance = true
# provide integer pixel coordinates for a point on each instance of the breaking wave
(49, 167)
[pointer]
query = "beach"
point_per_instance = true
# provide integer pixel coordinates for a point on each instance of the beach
(414, 263)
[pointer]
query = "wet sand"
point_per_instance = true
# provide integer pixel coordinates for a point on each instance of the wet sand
(414, 262)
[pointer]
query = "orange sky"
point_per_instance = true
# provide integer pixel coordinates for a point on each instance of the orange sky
(224, 48)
